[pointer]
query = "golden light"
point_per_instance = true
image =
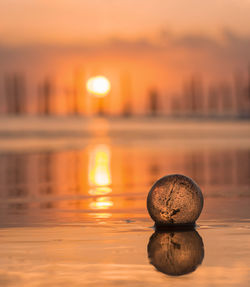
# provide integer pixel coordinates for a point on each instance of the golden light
(98, 86)
(99, 174)
(101, 215)
(100, 190)
(102, 203)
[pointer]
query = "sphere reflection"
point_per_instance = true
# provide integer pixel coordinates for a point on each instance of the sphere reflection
(176, 253)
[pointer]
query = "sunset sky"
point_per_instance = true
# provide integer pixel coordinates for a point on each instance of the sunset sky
(152, 43)
(76, 21)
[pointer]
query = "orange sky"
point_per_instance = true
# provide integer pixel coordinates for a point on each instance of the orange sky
(157, 43)
(74, 21)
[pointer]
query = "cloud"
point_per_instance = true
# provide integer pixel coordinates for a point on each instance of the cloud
(190, 52)
(164, 39)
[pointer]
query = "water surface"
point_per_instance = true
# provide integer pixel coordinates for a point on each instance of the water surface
(77, 216)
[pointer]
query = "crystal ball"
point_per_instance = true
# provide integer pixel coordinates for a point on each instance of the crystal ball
(175, 200)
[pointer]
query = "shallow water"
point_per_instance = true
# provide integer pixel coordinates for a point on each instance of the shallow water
(77, 216)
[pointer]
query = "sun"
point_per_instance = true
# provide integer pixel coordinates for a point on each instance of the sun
(98, 86)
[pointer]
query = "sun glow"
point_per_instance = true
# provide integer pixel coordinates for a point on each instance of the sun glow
(98, 86)
(99, 170)
(99, 177)
(102, 203)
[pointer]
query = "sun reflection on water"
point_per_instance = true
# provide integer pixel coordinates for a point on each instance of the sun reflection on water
(99, 167)
(101, 203)
(100, 190)
(101, 215)
(99, 177)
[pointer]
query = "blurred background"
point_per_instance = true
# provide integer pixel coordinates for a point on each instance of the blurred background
(161, 57)
(98, 99)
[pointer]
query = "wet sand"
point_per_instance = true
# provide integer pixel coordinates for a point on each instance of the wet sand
(74, 213)
(111, 254)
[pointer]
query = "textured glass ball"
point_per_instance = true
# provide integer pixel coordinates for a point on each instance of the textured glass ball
(175, 200)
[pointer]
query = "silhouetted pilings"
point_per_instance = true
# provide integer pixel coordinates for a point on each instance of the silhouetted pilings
(217, 99)
(212, 100)
(126, 94)
(226, 97)
(78, 92)
(192, 96)
(238, 86)
(15, 96)
(45, 94)
(176, 105)
(101, 107)
(247, 92)
(153, 102)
